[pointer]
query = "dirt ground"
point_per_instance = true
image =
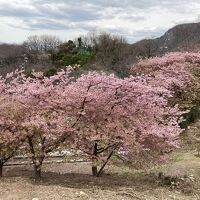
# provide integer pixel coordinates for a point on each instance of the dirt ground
(75, 182)
(180, 180)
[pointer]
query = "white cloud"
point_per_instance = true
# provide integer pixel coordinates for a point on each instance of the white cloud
(70, 18)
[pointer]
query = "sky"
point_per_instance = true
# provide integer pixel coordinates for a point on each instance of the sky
(68, 19)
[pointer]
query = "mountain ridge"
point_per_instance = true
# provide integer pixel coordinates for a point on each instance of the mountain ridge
(182, 37)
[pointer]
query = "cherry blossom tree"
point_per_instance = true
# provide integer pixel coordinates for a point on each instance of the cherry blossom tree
(111, 114)
(12, 135)
(179, 72)
(11, 116)
(176, 71)
(98, 114)
(45, 122)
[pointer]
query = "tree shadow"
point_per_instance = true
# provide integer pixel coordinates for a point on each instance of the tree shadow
(114, 181)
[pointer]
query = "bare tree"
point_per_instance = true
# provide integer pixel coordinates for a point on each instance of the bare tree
(146, 48)
(11, 56)
(111, 52)
(42, 44)
(33, 44)
(49, 43)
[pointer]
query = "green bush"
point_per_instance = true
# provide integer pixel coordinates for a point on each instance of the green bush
(50, 72)
(80, 59)
(64, 59)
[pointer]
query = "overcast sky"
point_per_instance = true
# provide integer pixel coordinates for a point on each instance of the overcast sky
(133, 19)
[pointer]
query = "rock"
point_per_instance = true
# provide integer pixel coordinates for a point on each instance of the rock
(82, 193)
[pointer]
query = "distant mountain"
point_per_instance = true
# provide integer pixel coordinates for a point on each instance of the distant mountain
(183, 37)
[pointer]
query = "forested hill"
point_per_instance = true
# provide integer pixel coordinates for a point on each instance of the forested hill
(95, 51)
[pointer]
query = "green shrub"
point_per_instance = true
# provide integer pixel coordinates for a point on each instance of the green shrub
(50, 72)
(79, 58)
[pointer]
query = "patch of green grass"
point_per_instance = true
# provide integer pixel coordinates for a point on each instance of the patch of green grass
(177, 157)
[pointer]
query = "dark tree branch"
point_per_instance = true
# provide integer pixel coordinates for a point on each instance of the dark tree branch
(108, 158)
(101, 150)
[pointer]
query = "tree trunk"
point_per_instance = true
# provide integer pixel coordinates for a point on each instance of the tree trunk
(94, 170)
(37, 159)
(105, 163)
(94, 161)
(37, 172)
(1, 169)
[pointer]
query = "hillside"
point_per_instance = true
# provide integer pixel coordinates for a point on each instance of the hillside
(104, 52)
(183, 37)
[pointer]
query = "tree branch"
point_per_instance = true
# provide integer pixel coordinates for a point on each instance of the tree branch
(109, 156)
